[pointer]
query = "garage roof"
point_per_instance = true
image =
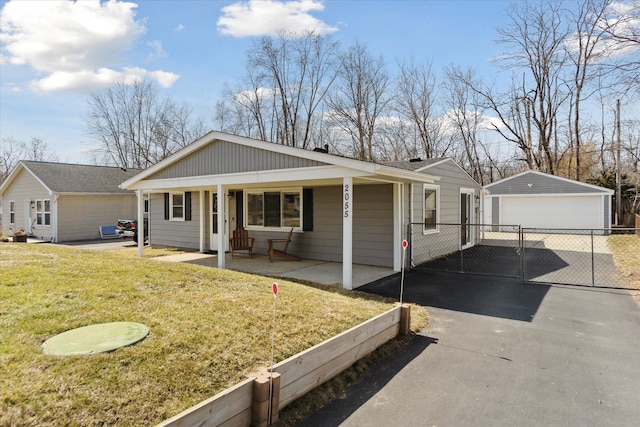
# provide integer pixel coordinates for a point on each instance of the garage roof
(534, 182)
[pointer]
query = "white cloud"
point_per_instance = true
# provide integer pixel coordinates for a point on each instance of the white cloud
(75, 44)
(267, 17)
(180, 27)
(90, 80)
(158, 50)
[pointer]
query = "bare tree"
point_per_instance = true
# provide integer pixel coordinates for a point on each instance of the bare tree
(12, 151)
(135, 128)
(288, 77)
(622, 25)
(535, 37)
(465, 117)
(584, 51)
(415, 101)
(359, 98)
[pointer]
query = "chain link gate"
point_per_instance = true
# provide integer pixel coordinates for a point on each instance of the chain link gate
(563, 256)
(467, 248)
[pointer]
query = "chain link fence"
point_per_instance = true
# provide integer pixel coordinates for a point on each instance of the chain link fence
(566, 256)
(469, 248)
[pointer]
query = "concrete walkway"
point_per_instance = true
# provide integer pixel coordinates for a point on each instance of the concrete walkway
(501, 353)
(323, 272)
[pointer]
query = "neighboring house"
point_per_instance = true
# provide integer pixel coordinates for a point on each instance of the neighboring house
(340, 209)
(538, 200)
(61, 202)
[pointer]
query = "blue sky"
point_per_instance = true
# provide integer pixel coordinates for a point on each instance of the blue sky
(54, 54)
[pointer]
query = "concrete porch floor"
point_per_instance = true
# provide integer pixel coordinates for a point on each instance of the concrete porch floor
(323, 272)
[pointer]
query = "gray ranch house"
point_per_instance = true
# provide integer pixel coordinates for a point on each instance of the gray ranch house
(340, 209)
(61, 202)
(535, 199)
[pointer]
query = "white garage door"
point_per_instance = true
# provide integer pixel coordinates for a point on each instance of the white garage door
(553, 212)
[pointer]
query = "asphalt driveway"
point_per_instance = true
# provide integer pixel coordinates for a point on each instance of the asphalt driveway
(499, 352)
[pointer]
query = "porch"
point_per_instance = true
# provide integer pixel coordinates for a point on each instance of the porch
(323, 272)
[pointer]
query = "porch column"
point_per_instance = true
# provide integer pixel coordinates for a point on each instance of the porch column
(140, 223)
(202, 223)
(347, 233)
(221, 235)
(398, 209)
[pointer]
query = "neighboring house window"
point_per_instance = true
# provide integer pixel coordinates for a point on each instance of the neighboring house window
(431, 206)
(176, 206)
(12, 212)
(43, 212)
(274, 209)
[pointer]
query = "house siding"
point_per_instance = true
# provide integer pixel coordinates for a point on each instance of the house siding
(79, 216)
(222, 157)
(533, 183)
(25, 188)
(446, 240)
(181, 234)
(372, 226)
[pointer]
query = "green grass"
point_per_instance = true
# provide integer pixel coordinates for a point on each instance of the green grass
(209, 329)
(626, 255)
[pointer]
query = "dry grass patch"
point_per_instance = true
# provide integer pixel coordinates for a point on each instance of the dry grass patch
(209, 328)
(626, 255)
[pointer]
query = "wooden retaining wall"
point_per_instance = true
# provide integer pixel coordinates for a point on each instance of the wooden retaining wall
(245, 404)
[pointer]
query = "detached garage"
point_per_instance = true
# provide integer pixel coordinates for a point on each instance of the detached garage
(538, 200)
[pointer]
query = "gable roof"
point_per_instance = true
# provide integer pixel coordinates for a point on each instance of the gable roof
(324, 160)
(65, 178)
(417, 164)
(534, 182)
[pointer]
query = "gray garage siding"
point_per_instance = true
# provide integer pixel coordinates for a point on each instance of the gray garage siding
(222, 157)
(533, 183)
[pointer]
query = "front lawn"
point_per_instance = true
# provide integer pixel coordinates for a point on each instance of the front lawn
(626, 255)
(209, 328)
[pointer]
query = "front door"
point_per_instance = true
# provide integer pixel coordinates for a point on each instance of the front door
(214, 222)
(466, 216)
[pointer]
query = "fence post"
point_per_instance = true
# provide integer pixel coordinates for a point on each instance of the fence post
(410, 240)
(593, 273)
(461, 249)
(523, 262)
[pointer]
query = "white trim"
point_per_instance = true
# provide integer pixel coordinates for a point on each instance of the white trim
(221, 235)
(520, 195)
(202, 222)
(347, 233)
(438, 207)
(445, 160)
(470, 192)
(281, 190)
(140, 224)
(398, 190)
(176, 218)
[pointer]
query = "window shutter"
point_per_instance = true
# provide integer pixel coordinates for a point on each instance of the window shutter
(187, 206)
(307, 209)
(239, 209)
(166, 206)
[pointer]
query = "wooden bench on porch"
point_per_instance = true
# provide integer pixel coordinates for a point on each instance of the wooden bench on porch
(240, 241)
(282, 252)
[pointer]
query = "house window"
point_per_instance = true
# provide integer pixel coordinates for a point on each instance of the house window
(431, 206)
(176, 206)
(274, 209)
(12, 212)
(43, 212)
